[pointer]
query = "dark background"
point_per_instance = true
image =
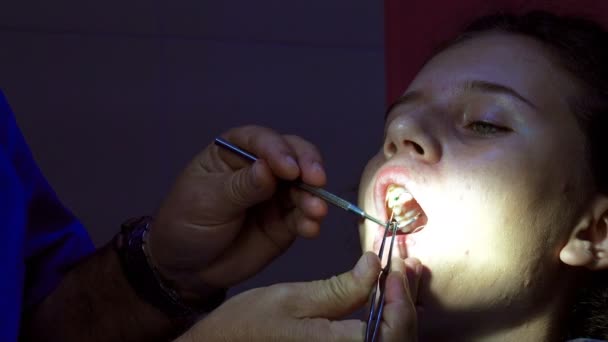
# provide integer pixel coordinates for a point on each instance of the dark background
(114, 97)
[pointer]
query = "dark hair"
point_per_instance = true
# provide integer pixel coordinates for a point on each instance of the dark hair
(581, 48)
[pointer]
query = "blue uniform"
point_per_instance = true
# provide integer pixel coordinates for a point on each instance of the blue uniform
(40, 239)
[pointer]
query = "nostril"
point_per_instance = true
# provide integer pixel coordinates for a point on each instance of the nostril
(408, 144)
(418, 148)
(391, 149)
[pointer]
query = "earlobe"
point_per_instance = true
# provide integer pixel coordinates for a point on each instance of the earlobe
(577, 251)
(600, 245)
(588, 242)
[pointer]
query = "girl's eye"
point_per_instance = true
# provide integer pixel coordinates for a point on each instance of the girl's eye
(486, 128)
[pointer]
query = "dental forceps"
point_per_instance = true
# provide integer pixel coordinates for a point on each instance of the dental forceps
(376, 308)
(322, 193)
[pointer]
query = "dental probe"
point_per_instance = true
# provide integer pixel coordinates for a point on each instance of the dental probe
(322, 193)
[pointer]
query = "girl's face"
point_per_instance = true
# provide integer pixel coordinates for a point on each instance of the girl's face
(486, 143)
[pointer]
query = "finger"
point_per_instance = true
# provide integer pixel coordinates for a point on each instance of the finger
(300, 224)
(339, 295)
(413, 272)
(309, 160)
(398, 265)
(303, 212)
(399, 321)
(247, 187)
(321, 329)
(311, 205)
(266, 144)
(347, 330)
(231, 266)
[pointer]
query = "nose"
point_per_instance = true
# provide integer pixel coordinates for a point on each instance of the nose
(408, 134)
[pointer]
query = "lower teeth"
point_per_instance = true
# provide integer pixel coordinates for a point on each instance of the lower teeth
(408, 218)
(405, 222)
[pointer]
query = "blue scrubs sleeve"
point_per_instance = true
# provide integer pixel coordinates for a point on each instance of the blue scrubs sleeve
(41, 240)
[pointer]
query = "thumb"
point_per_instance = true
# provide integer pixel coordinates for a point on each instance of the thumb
(341, 295)
(249, 186)
(399, 320)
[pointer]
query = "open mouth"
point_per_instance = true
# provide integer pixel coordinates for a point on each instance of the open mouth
(394, 194)
(394, 199)
(402, 207)
(395, 202)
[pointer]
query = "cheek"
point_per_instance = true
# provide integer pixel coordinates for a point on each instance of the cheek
(489, 244)
(466, 225)
(486, 217)
(366, 182)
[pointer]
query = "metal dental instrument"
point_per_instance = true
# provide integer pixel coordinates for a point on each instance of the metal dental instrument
(324, 194)
(376, 308)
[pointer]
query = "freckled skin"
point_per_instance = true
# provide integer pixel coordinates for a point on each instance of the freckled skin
(498, 212)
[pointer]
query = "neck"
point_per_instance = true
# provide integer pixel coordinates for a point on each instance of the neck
(541, 323)
(543, 327)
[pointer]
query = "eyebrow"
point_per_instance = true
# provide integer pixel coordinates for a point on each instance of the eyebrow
(489, 87)
(482, 86)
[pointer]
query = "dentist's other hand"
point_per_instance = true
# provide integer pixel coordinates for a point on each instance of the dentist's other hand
(226, 218)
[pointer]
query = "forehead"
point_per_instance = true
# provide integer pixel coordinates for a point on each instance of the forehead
(514, 61)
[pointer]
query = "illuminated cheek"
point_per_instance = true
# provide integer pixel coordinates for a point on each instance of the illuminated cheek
(468, 232)
(466, 254)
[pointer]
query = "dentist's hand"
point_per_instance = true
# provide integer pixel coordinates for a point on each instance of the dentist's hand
(310, 311)
(226, 218)
(399, 320)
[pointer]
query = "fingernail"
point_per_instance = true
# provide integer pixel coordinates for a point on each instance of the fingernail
(255, 174)
(397, 264)
(317, 167)
(418, 270)
(292, 162)
(362, 267)
(397, 288)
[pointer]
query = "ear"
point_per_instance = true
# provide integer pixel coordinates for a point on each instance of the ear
(588, 242)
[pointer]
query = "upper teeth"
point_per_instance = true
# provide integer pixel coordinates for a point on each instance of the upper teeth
(396, 197)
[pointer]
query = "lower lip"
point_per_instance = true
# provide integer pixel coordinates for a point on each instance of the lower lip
(402, 242)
